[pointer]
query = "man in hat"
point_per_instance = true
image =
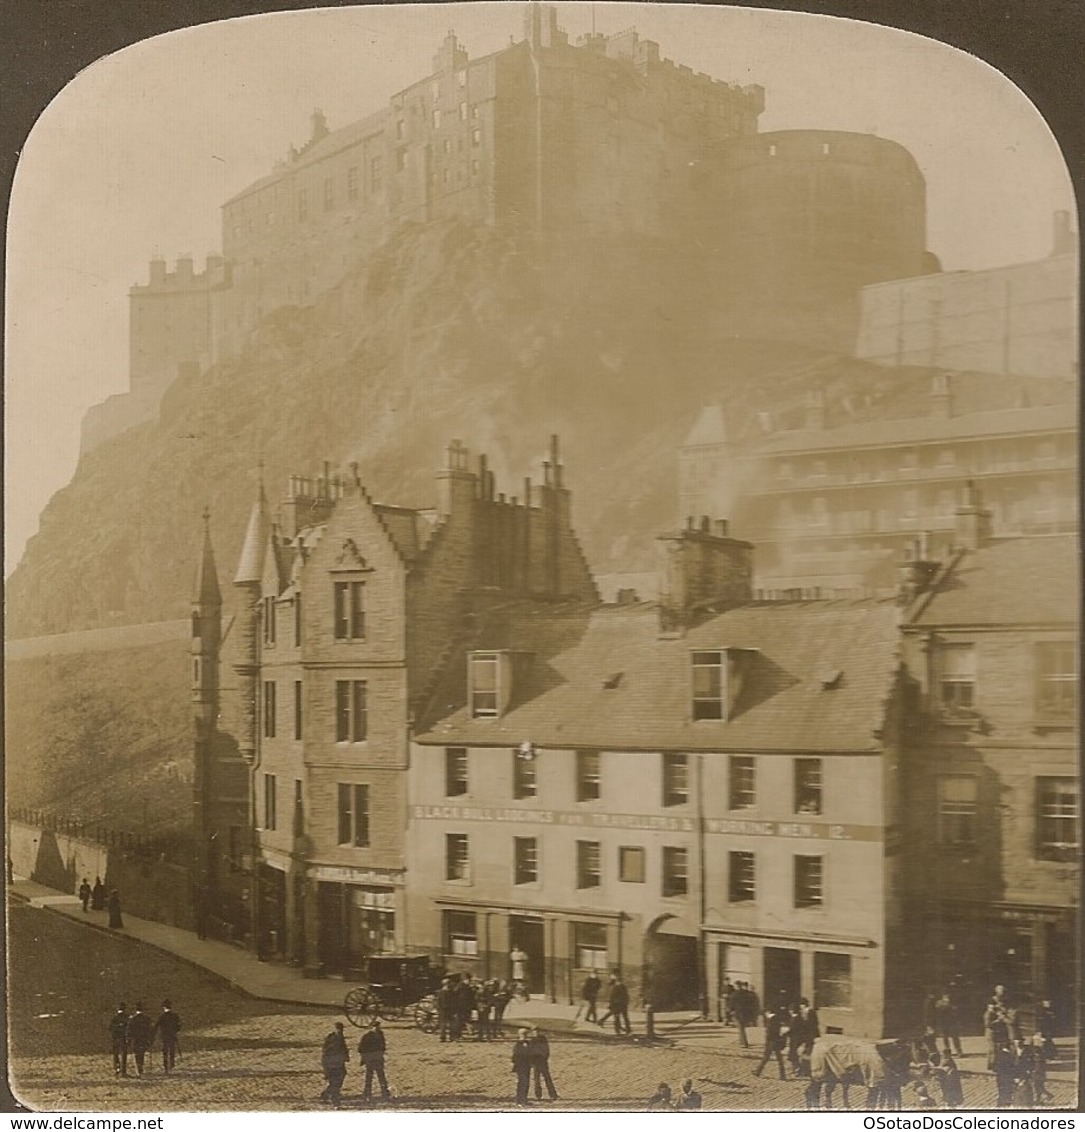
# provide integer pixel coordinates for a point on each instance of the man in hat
(140, 1035)
(84, 894)
(372, 1047)
(167, 1026)
(333, 1061)
(118, 1036)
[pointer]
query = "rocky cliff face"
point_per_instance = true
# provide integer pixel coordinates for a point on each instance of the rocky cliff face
(449, 330)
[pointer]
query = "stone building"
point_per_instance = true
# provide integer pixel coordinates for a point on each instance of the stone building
(993, 826)
(836, 506)
(1021, 318)
(699, 789)
(348, 608)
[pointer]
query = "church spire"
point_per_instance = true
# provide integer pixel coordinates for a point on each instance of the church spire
(207, 592)
(250, 568)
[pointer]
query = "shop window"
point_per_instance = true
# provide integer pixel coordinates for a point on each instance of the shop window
(353, 814)
(269, 709)
(631, 864)
(1056, 681)
(957, 797)
(588, 867)
(351, 711)
(270, 807)
(675, 779)
(525, 860)
(269, 620)
(483, 685)
(588, 780)
(1057, 815)
(455, 771)
(808, 786)
(675, 871)
(524, 779)
(743, 794)
(808, 882)
(461, 934)
(957, 676)
(457, 861)
(298, 704)
(740, 878)
(832, 980)
(349, 610)
(590, 946)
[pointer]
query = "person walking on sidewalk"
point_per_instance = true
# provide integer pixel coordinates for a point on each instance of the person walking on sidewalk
(140, 1036)
(115, 920)
(776, 1032)
(947, 1025)
(589, 995)
(118, 1037)
(521, 1065)
(97, 896)
(84, 894)
(373, 1047)
(166, 1027)
(618, 1006)
(540, 1064)
(333, 1061)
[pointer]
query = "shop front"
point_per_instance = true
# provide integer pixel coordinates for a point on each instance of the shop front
(355, 911)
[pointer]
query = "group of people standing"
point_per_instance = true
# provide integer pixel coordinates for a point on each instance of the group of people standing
(464, 1001)
(1019, 1064)
(134, 1034)
(617, 1003)
(94, 899)
(531, 1062)
(791, 1029)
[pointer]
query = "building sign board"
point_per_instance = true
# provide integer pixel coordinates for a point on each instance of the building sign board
(344, 874)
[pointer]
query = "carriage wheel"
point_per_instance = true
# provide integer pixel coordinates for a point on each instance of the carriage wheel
(361, 1006)
(425, 1016)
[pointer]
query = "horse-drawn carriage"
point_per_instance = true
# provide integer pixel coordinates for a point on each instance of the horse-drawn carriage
(394, 986)
(881, 1068)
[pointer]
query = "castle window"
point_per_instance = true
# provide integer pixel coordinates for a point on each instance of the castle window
(446, 145)
(474, 166)
(588, 866)
(825, 149)
(269, 709)
(675, 780)
(352, 183)
(808, 882)
(675, 871)
(353, 815)
(269, 218)
(435, 90)
(401, 159)
(1056, 681)
(474, 111)
(329, 193)
(455, 771)
(351, 711)
(269, 620)
(375, 173)
(435, 119)
(349, 611)
(303, 205)
(476, 137)
(1057, 834)
(297, 620)
(772, 151)
(269, 802)
(297, 708)
(401, 129)
(463, 111)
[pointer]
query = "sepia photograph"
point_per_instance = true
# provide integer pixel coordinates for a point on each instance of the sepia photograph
(542, 567)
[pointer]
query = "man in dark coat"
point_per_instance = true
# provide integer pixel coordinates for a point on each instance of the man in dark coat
(589, 993)
(776, 1034)
(445, 1007)
(118, 1036)
(947, 1024)
(618, 1006)
(372, 1047)
(540, 1064)
(463, 1006)
(166, 1027)
(521, 1066)
(140, 1036)
(804, 1029)
(115, 920)
(744, 1008)
(97, 896)
(84, 894)
(333, 1061)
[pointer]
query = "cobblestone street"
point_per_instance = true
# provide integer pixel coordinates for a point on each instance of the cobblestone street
(242, 1054)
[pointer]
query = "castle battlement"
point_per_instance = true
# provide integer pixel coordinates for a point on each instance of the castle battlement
(183, 276)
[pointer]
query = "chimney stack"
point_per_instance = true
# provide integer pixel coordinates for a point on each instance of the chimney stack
(701, 565)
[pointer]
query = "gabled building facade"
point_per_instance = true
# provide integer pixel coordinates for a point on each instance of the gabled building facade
(685, 792)
(348, 609)
(993, 825)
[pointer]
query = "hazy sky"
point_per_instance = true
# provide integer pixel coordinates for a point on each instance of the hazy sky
(136, 154)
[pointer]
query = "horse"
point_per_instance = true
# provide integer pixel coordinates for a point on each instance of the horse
(881, 1067)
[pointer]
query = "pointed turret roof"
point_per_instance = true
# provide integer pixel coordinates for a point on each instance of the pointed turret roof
(251, 566)
(207, 579)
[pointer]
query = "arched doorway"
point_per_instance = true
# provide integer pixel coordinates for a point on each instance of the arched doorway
(672, 978)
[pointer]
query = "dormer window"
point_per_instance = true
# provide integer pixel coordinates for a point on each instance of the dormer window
(717, 681)
(484, 685)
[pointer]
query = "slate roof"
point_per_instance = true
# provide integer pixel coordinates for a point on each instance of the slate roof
(1022, 581)
(563, 698)
(408, 529)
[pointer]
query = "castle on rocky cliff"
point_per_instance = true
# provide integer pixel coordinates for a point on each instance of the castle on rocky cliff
(601, 138)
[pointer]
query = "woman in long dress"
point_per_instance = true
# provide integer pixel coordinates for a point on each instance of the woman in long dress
(115, 920)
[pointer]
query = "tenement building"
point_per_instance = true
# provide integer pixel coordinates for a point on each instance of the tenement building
(835, 506)
(689, 791)
(993, 825)
(348, 609)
